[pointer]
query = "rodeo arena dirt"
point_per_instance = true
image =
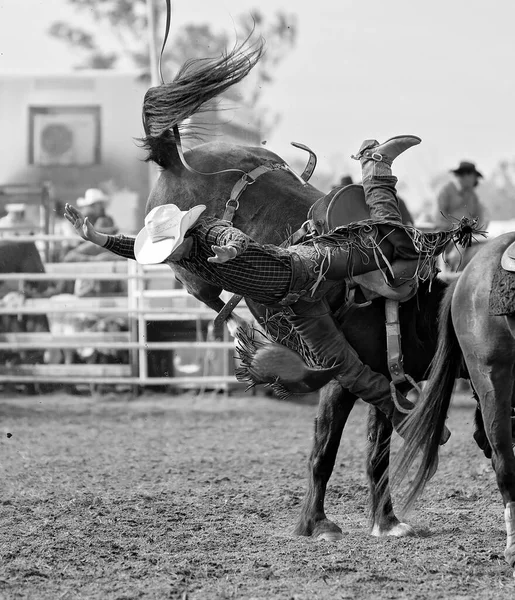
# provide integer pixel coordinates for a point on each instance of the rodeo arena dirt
(175, 428)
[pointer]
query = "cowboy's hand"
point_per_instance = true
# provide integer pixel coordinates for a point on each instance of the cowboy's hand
(83, 226)
(222, 254)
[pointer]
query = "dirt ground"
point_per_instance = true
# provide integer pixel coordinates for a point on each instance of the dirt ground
(195, 497)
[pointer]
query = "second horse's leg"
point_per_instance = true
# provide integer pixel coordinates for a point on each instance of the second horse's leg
(494, 385)
(333, 412)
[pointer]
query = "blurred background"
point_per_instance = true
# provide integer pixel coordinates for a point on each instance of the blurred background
(73, 74)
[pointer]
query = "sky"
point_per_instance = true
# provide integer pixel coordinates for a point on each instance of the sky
(442, 70)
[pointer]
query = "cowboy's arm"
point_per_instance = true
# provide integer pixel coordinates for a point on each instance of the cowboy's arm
(226, 242)
(230, 237)
(121, 245)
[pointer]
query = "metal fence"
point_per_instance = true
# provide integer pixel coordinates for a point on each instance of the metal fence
(153, 297)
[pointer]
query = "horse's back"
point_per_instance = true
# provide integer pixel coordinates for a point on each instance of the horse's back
(480, 270)
(480, 333)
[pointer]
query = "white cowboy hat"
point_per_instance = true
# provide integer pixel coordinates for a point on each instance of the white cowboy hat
(92, 196)
(164, 231)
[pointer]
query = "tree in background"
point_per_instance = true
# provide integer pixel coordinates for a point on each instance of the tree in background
(127, 45)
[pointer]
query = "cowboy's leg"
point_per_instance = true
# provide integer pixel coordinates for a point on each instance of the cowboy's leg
(379, 185)
(337, 261)
(315, 324)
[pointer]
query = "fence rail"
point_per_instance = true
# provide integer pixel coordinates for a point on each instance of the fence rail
(153, 297)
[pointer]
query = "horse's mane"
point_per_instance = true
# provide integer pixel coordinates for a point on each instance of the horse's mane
(197, 82)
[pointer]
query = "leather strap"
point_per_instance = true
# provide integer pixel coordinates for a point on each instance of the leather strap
(226, 311)
(393, 342)
(242, 184)
(311, 164)
(178, 143)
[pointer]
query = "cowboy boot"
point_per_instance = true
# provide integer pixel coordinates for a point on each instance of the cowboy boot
(383, 155)
(380, 188)
(378, 182)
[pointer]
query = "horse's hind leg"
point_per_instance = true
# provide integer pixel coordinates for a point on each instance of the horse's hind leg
(383, 519)
(494, 386)
(333, 411)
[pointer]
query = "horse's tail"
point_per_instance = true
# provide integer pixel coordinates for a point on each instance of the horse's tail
(197, 82)
(425, 425)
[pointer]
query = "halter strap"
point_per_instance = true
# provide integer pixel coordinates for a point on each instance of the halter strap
(178, 143)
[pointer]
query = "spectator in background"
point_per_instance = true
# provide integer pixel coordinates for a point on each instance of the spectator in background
(458, 198)
(345, 180)
(16, 222)
(93, 206)
(84, 252)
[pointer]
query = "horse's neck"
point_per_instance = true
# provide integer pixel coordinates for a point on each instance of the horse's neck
(270, 230)
(270, 209)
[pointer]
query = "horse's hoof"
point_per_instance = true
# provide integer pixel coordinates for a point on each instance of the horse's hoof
(509, 555)
(327, 531)
(330, 536)
(398, 530)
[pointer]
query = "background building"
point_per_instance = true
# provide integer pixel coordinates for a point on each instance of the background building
(79, 130)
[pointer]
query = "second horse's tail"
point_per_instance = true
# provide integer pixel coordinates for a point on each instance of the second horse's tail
(198, 81)
(425, 425)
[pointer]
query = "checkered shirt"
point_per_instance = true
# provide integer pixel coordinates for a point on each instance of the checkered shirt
(261, 272)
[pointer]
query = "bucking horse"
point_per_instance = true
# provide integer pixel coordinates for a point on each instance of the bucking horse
(259, 192)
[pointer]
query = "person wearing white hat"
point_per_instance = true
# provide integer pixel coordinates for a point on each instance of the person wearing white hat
(94, 203)
(297, 278)
(92, 196)
(15, 221)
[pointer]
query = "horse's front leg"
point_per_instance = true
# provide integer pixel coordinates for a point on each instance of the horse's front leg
(333, 411)
(383, 519)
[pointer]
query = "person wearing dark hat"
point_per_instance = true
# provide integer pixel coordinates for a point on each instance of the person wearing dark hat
(458, 198)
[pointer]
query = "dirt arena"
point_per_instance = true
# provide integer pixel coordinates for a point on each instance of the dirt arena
(195, 497)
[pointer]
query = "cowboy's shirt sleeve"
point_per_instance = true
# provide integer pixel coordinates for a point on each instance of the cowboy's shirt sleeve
(122, 245)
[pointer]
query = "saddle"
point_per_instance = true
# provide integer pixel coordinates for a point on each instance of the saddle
(346, 205)
(508, 258)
